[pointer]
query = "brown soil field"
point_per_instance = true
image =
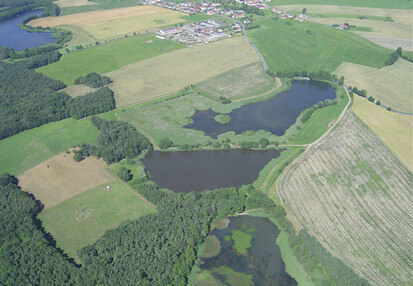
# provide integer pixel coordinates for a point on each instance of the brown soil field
(73, 3)
(61, 178)
(88, 18)
(169, 73)
(355, 196)
(78, 90)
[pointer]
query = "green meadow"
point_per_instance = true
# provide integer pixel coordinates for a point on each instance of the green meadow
(107, 57)
(296, 46)
(29, 148)
(390, 4)
(81, 220)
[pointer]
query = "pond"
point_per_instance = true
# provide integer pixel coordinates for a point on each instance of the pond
(275, 115)
(186, 171)
(11, 36)
(248, 251)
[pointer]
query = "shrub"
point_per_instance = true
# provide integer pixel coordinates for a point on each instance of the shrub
(165, 143)
(264, 142)
(125, 174)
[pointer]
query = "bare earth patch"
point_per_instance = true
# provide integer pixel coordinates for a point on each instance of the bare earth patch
(60, 178)
(355, 196)
(78, 90)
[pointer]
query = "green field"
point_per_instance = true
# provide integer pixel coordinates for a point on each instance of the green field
(242, 241)
(294, 46)
(391, 4)
(29, 148)
(102, 5)
(107, 57)
(81, 220)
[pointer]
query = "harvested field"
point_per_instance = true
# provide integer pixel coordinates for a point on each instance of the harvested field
(81, 220)
(390, 42)
(169, 73)
(392, 85)
(78, 90)
(73, 3)
(103, 24)
(378, 28)
(249, 80)
(353, 194)
(61, 178)
(398, 15)
(396, 130)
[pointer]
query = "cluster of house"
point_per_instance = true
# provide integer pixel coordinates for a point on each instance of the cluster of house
(285, 15)
(195, 33)
(260, 4)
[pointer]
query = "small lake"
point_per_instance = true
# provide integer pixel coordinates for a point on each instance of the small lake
(275, 115)
(262, 260)
(13, 37)
(186, 171)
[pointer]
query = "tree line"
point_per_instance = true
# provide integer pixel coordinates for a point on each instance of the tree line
(30, 99)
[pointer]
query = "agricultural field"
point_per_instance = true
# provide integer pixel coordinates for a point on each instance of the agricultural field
(390, 42)
(294, 46)
(354, 195)
(166, 74)
(392, 85)
(115, 54)
(103, 24)
(81, 220)
(61, 178)
(29, 148)
(238, 83)
(73, 3)
(98, 5)
(396, 130)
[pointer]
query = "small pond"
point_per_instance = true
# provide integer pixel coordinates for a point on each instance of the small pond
(186, 171)
(275, 115)
(11, 36)
(262, 259)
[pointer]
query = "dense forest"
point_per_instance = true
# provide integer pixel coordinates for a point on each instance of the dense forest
(30, 99)
(117, 140)
(13, 8)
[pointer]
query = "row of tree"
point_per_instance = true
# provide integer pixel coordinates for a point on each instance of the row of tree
(30, 99)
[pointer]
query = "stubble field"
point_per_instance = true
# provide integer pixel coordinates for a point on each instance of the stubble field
(355, 196)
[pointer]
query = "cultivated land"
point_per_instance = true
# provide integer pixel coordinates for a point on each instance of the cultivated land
(250, 80)
(104, 24)
(390, 42)
(73, 3)
(61, 178)
(107, 57)
(355, 196)
(169, 73)
(294, 46)
(81, 220)
(27, 149)
(392, 85)
(396, 130)
(395, 12)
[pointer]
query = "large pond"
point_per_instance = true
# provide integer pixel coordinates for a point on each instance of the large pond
(261, 261)
(275, 115)
(187, 171)
(13, 37)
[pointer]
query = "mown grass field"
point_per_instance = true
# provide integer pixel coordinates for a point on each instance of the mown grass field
(103, 24)
(294, 46)
(392, 85)
(354, 195)
(166, 74)
(394, 4)
(396, 130)
(81, 220)
(107, 57)
(29, 148)
(73, 3)
(100, 5)
(61, 178)
(249, 80)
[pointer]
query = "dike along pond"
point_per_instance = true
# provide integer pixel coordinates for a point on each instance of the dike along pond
(186, 171)
(11, 36)
(275, 115)
(260, 261)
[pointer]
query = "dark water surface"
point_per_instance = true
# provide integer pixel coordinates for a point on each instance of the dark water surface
(263, 260)
(186, 171)
(13, 37)
(275, 115)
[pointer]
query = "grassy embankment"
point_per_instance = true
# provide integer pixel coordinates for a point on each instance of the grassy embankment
(294, 46)
(81, 220)
(107, 57)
